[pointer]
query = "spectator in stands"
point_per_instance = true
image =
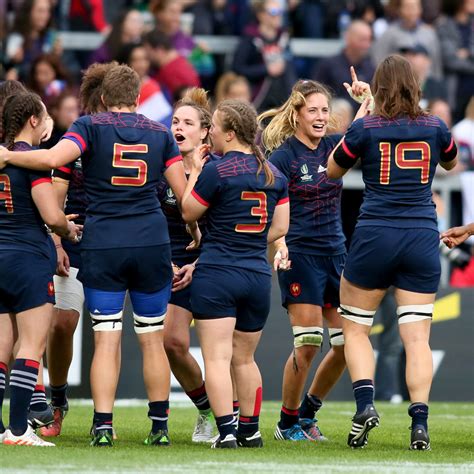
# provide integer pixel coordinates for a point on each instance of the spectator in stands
(48, 78)
(87, 15)
(463, 133)
(167, 15)
(153, 103)
(211, 17)
(264, 58)
(431, 88)
(127, 28)
(372, 12)
(335, 70)
(232, 86)
(32, 35)
(408, 29)
(65, 111)
(343, 114)
(456, 32)
(441, 109)
(174, 71)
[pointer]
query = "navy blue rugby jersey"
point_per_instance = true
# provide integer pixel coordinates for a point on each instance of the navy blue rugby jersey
(240, 211)
(21, 226)
(398, 162)
(124, 156)
(179, 237)
(315, 200)
(76, 203)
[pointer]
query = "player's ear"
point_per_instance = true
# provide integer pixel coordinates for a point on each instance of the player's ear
(102, 100)
(137, 101)
(34, 121)
(229, 136)
(204, 133)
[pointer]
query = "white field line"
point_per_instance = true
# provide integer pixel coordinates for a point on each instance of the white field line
(265, 467)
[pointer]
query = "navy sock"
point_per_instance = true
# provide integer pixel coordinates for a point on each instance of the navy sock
(225, 425)
(38, 399)
(58, 395)
(199, 398)
(158, 414)
(310, 405)
(3, 373)
(288, 418)
(103, 421)
(23, 379)
(419, 415)
(248, 425)
(363, 393)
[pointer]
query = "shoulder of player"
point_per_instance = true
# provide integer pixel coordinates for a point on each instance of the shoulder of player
(276, 172)
(282, 153)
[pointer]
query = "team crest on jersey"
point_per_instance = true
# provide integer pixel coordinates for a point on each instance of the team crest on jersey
(170, 198)
(295, 289)
(304, 171)
(50, 288)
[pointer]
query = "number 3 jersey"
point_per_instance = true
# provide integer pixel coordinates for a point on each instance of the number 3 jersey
(398, 160)
(241, 209)
(123, 157)
(21, 226)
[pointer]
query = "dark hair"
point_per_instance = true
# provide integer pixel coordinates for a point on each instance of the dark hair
(241, 117)
(17, 110)
(157, 39)
(451, 7)
(113, 41)
(124, 56)
(8, 88)
(22, 22)
(91, 87)
(55, 62)
(158, 5)
(396, 89)
(120, 87)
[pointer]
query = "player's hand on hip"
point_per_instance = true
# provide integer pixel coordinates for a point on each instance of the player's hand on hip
(62, 262)
(183, 277)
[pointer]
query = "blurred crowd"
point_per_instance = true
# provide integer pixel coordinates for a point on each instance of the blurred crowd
(157, 39)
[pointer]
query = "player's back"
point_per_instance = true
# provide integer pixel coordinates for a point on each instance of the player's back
(241, 211)
(21, 226)
(124, 157)
(398, 160)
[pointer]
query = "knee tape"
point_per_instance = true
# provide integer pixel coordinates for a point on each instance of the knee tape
(414, 313)
(307, 336)
(336, 337)
(144, 324)
(106, 322)
(356, 315)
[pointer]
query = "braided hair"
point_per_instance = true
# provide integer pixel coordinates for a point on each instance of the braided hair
(241, 117)
(17, 110)
(8, 88)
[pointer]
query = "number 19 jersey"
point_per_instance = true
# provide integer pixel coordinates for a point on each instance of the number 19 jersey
(398, 158)
(240, 211)
(123, 156)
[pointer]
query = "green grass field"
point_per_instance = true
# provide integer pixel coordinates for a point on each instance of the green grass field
(451, 428)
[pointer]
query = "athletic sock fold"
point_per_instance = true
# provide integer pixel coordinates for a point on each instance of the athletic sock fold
(158, 413)
(38, 399)
(103, 421)
(363, 393)
(23, 378)
(225, 425)
(288, 418)
(58, 395)
(309, 406)
(199, 398)
(419, 414)
(248, 425)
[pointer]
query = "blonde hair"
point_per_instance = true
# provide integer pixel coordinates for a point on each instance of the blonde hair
(197, 98)
(284, 123)
(241, 117)
(225, 82)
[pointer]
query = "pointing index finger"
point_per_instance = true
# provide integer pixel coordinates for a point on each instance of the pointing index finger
(353, 74)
